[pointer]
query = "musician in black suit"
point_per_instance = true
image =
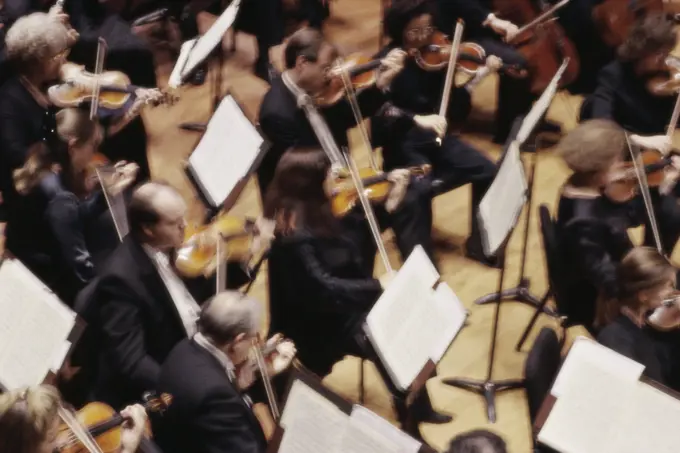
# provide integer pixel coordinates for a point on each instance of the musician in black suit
(207, 376)
(142, 307)
(286, 124)
(626, 94)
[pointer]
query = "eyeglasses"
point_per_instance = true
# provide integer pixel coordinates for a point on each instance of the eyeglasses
(415, 33)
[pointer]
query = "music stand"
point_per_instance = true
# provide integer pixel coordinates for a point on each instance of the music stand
(489, 387)
(522, 292)
(199, 50)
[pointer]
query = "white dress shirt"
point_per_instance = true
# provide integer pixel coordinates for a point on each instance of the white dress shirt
(184, 302)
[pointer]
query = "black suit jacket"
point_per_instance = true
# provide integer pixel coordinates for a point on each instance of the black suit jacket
(207, 414)
(286, 125)
(138, 323)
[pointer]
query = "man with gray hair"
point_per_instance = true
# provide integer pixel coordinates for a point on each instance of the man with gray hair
(207, 376)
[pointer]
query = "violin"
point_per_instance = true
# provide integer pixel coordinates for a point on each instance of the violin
(614, 18)
(198, 254)
(116, 91)
(625, 181)
(542, 43)
(377, 187)
(667, 316)
(103, 424)
(471, 56)
(361, 71)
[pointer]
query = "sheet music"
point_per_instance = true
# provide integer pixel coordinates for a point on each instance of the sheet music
(29, 307)
(226, 152)
(175, 79)
(586, 353)
(311, 423)
(212, 38)
(541, 106)
(451, 314)
(584, 418)
(653, 417)
(402, 442)
(410, 322)
(503, 201)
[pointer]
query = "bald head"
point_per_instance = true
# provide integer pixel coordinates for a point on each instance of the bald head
(156, 215)
(229, 315)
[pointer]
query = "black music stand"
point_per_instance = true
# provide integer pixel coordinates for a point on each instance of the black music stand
(522, 293)
(488, 387)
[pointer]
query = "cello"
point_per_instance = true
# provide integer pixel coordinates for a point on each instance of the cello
(541, 42)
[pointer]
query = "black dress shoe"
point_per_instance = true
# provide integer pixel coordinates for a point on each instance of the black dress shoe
(549, 127)
(198, 77)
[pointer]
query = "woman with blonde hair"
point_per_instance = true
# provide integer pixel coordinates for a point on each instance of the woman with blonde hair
(30, 422)
(59, 176)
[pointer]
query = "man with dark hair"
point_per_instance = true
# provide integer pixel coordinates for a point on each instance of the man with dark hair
(208, 376)
(292, 114)
(627, 94)
(477, 441)
(142, 308)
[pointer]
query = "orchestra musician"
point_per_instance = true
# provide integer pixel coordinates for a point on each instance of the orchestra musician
(645, 280)
(38, 46)
(211, 409)
(320, 285)
(29, 422)
(492, 33)
(478, 441)
(594, 215)
(143, 308)
(61, 171)
(416, 94)
(309, 58)
(625, 94)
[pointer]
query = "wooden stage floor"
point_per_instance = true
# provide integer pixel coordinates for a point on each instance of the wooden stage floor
(354, 27)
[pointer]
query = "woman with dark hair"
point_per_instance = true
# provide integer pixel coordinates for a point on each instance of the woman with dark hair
(320, 286)
(408, 126)
(59, 174)
(645, 280)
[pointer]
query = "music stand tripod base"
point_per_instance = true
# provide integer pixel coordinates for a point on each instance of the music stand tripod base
(486, 389)
(520, 293)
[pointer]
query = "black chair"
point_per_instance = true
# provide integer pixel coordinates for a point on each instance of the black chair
(555, 269)
(540, 370)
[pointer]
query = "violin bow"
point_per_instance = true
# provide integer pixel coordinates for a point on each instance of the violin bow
(451, 71)
(358, 117)
(98, 69)
(539, 20)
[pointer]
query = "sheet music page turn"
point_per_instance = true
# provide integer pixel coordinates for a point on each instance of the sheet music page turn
(226, 152)
(29, 307)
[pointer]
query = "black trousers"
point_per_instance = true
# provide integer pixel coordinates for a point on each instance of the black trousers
(514, 96)
(454, 163)
(411, 223)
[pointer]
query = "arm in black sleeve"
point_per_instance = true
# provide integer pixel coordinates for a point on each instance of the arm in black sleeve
(473, 13)
(12, 130)
(123, 335)
(360, 293)
(585, 240)
(369, 100)
(15, 9)
(63, 217)
(602, 100)
(221, 426)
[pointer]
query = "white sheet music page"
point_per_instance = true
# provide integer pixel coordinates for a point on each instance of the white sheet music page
(34, 326)
(586, 353)
(451, 316)
(405, 325)
(400, 441)
(311, 423)
(175, 79)
(586, 417)
(212, 38)
(503, 201)
(226, 152)
(651, 423)
(541, 106)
